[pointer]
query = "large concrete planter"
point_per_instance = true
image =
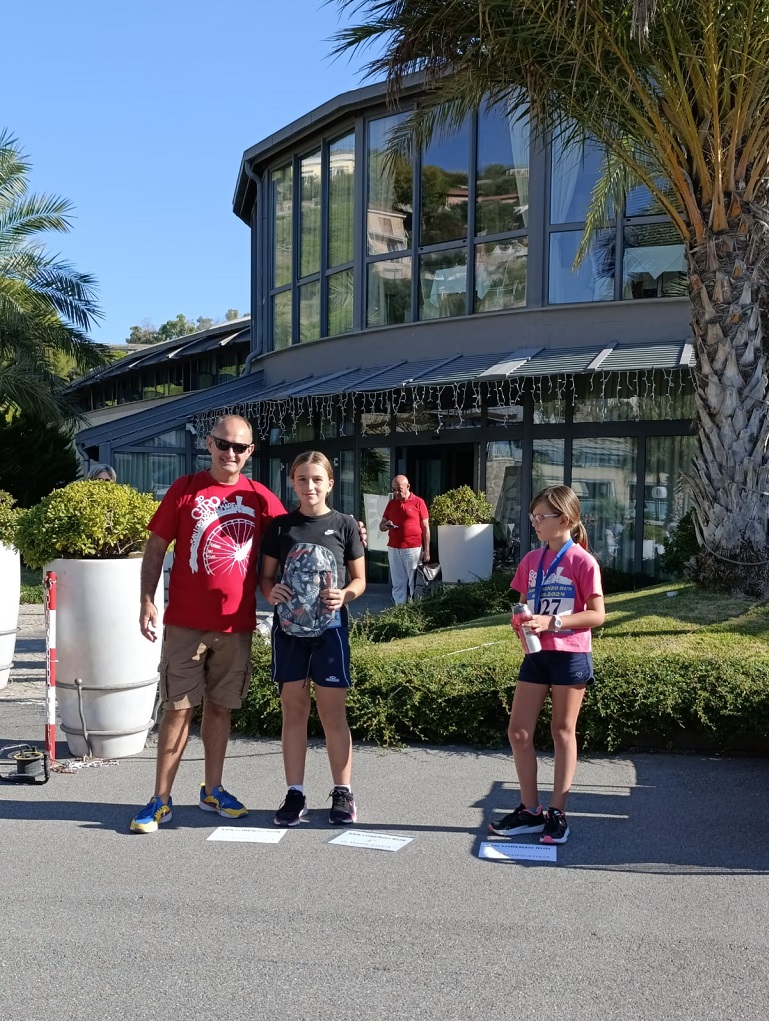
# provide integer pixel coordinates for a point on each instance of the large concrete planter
(465, 552)
(10, 573)
(106, 672)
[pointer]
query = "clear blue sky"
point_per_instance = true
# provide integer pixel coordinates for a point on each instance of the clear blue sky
(139, 114)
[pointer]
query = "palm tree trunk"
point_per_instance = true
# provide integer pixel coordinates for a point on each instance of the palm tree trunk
(730, 297)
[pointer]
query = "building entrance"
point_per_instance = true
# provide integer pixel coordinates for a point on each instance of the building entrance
(432, 471)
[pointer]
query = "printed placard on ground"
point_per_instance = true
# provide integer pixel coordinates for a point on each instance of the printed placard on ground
(498, 851)
(247, 834)
(373, 841)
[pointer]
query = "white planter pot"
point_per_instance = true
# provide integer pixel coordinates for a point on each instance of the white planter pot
(465, 552)
(10, 572)
(106, 671)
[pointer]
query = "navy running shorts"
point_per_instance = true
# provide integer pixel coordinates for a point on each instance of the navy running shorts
(325, 660)
(553, 667)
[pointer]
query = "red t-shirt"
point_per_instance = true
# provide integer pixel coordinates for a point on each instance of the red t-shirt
(408, 515)
(217, 529)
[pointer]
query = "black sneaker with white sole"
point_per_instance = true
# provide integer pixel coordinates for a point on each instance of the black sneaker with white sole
(293, 809)
(343, 811)
(518, 822)
(556, 829)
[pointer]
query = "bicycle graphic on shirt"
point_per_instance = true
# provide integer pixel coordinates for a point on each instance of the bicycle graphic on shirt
(227, 547)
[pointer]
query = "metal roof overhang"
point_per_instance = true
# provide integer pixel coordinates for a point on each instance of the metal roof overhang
(464, 368)
(455, 369)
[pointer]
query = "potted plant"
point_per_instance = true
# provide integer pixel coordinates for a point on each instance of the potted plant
(91, 534)
(464, 519)
(10, 572)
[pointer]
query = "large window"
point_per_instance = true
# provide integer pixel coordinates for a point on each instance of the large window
(640, 255)
(364, 233)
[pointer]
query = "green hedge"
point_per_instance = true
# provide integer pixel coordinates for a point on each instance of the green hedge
(671, 674)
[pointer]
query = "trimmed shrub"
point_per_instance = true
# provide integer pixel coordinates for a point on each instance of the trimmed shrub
(461, 506)
(85, 519)
(668, 677)
(9, 516)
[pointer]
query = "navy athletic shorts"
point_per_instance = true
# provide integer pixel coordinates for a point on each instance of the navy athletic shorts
(325, 660)
(553, 667)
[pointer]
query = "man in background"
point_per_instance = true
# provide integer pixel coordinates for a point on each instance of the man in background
(408, 542)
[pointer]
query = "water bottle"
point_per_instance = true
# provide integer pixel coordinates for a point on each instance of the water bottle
(529, 640)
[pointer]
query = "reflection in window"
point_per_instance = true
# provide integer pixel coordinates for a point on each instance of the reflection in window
(594, 278)
(445, 189)
(574, 172)
(389, 292)
(666, 496)
(504, 459)
(341, 195)
(443, 284)
(309, 312)
(340, 302)
(502, 190)
(150, 473)
(390, 192)
(344, 483)
(627, 397)
(309, 222)
(603, 477)
(546, 470)
(282, 225)
(501, 411)
(281, 320)
(500, 274)
(653, 262)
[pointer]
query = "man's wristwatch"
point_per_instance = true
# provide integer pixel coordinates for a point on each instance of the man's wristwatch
(557, 623)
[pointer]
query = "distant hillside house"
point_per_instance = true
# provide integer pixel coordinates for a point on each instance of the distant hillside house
(423, 316)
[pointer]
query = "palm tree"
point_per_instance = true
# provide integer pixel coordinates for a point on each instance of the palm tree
(689, 90)
(46, 306)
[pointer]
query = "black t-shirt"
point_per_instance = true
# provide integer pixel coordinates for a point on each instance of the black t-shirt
(337, 532)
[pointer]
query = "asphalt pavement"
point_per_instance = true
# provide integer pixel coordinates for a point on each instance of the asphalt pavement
(657, 908)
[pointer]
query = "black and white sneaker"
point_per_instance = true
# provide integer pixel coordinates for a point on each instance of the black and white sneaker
(343, 811)
(519, 821)
(556, 829)
(293, 809)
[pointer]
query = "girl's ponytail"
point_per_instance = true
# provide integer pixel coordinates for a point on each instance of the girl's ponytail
(579, 534)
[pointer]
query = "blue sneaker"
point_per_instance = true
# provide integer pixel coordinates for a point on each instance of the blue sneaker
(154, 814)
(222, 802)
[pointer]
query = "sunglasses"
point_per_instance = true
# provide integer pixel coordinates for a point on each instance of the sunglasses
(239, 448)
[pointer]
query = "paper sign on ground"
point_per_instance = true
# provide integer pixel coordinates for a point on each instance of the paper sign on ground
(249, 834)
(517, 852)
(374, 841)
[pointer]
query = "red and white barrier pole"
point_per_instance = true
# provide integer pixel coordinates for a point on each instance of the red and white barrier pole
(50, 664)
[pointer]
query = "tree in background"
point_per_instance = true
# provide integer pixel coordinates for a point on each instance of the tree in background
(46, 306)
(35, 458)
(180, 326)
(681, 101)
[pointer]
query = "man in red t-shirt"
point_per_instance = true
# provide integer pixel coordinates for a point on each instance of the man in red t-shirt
(406, 519)
(216, 518)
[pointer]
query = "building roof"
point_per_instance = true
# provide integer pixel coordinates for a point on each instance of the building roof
(233, 331)
(250, 389)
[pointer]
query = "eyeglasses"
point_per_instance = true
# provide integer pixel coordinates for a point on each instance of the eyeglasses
(239, 448)
(537, 519)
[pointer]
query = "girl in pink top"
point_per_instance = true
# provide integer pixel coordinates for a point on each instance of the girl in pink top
(561, 583)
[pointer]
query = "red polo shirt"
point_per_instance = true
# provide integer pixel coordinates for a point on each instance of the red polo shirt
(408, 515)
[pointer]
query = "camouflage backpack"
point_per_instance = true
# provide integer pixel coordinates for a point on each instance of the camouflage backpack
(308, 570)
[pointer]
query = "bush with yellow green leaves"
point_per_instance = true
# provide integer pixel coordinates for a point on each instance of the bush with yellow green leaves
(86, 520)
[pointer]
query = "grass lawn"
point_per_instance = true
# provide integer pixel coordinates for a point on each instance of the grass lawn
(693, 621)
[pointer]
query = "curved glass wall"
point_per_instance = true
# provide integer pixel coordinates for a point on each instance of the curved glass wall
(363, 236)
